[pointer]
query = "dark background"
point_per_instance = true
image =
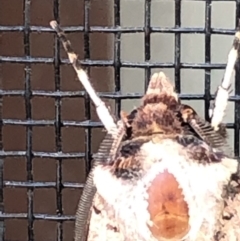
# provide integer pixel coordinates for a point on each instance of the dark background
(12, 76)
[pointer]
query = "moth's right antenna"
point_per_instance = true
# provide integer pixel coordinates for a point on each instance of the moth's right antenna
(217, 111)
(101, 108)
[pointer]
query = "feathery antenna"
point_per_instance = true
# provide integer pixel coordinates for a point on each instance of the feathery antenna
(110, 143)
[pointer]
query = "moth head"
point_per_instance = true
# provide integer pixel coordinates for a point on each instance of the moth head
(157, 112)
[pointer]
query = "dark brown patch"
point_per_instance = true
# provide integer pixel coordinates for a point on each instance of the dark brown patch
(130, 119)
(127, 168)
(203, 129)
(113, 228)
(198, 150)
(186, 113)
(156, 115)
(127, 173)
(165, 99)
(127, 164)
(97, 211)
(131, 148)
(155, 118)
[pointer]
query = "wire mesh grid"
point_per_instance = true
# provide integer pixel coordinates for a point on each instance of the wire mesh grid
(88, 124)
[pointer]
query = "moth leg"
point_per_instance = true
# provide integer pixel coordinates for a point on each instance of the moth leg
(102, 111)
(218, 108)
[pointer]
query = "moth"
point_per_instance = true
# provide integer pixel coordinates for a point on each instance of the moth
(162, 173)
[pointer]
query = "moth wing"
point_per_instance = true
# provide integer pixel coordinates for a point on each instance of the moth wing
(102, 225)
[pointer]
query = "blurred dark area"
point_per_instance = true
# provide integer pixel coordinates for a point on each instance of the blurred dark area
(71, 138)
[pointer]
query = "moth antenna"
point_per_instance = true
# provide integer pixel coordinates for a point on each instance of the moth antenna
(102, 111)
(108, 146)
(204, 130)
(217, 110)
(159, 83)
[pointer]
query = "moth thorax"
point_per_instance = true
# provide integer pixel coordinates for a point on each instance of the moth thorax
(167, 207)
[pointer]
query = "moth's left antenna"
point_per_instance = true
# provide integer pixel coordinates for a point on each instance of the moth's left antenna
(102, 110)
(85, 203)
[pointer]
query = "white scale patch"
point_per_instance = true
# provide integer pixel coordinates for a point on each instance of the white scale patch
(201, 184)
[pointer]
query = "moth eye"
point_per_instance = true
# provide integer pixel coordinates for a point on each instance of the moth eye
(167, 207)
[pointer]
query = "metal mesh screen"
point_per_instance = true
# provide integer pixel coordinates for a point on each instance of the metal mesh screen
(38, 222)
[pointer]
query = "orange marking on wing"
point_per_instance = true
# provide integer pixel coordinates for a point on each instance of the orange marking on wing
(167, 207)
